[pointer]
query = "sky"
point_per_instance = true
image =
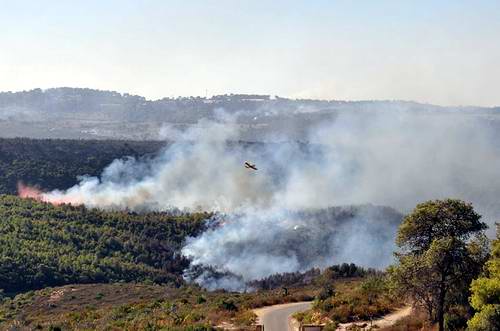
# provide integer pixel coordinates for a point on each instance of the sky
(444, 52)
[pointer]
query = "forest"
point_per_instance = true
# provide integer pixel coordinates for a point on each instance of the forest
(42, 245)
(51, 163)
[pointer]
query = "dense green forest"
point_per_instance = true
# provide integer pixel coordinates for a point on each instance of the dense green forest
(42, 245)
(51, 164)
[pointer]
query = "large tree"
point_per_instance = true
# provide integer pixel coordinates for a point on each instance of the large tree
(442, 248)
(486, 294)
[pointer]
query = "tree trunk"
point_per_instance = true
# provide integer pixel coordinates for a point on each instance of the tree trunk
(441, 319)
(440, 308)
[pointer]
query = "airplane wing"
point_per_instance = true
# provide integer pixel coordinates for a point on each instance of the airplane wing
(250, 166)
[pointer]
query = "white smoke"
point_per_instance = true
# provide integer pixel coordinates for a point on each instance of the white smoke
(261, 243)
(197, 172)
(395, 159)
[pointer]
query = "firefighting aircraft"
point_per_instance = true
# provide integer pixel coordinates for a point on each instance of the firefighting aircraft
(248, 165)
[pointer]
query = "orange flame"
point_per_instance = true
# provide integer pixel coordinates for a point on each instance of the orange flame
(30, 192)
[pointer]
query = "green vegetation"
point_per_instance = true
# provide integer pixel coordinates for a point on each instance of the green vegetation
(56, 164)
(442, 249)
(485, 297)
(43, 245)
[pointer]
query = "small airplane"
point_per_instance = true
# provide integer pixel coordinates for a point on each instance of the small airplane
(248, 165)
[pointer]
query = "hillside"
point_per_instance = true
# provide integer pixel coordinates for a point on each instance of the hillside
(134, 306)
(51, 164)
(129, 306)
(42, 245)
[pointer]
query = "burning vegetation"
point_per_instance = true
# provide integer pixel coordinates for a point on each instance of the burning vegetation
(30, 192)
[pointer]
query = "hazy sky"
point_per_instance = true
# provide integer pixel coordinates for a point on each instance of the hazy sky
(444, 52)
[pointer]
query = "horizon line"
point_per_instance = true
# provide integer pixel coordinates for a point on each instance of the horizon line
(271, 96)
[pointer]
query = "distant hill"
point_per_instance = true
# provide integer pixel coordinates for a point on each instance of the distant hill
(94, 114)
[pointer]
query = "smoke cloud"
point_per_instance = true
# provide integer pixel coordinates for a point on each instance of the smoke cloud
(261, 243)
(268, 219)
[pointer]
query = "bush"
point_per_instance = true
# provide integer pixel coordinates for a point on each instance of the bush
(227, 304)
(246, 318)
(326, 292)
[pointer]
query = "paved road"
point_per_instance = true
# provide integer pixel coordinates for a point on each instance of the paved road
(276, 318)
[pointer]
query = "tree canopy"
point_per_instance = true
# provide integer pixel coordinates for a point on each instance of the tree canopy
(42, 245)
(442, 248)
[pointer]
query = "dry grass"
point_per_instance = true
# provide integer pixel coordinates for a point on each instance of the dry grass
(415, 322)
(127, 306)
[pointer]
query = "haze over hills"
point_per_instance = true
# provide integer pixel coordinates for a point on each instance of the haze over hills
(77, 113)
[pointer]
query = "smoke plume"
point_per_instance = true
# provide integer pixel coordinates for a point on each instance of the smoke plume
(394, 159)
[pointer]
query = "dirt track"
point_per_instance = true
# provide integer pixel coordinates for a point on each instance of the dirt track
(387, 320)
